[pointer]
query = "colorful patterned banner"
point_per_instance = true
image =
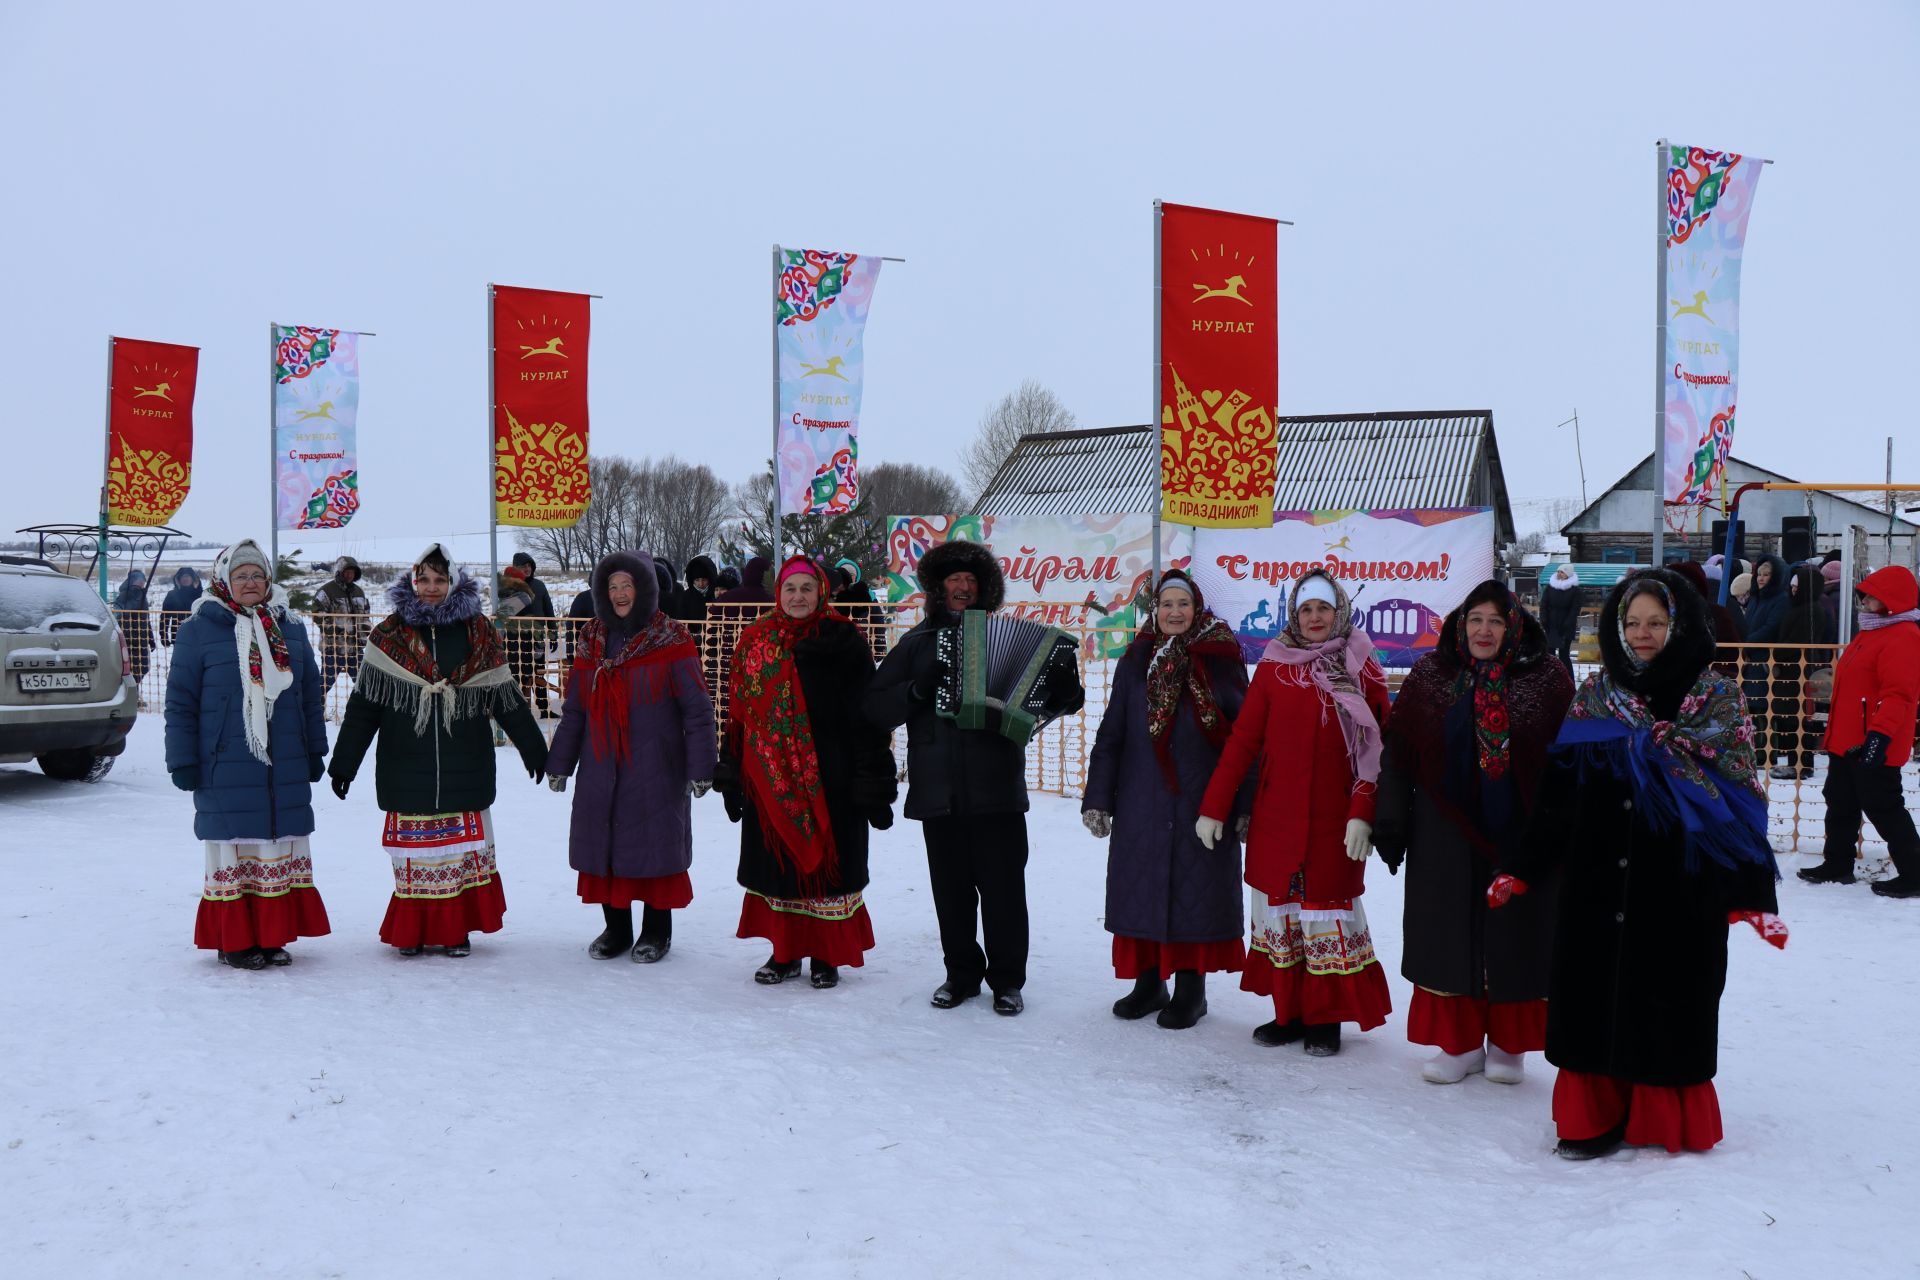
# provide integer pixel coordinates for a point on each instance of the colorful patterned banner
(316, 402)
(820, 322)
(1220, 370)
(540, 407)
(1405, 570)
(1062, 570)
(149, 430)
(1709, 195)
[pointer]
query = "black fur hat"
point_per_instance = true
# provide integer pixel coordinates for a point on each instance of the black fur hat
(1690, 644)
(961, 557)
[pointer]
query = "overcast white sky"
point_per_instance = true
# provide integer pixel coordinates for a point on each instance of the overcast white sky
(1473, 185)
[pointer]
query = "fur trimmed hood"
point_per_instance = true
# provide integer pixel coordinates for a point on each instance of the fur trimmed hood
(646, 590)
(949, 558)
(345, 563)
(462, 602)
(702, 567)
(1690, 644)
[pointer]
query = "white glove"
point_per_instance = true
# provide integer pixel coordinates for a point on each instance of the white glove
(1359, 839)
(556, 783)
(1209, 830)
(1241, 825)
(699, 787)
(1099, 823)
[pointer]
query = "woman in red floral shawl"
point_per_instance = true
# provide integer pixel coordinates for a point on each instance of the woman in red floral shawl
(805, 773)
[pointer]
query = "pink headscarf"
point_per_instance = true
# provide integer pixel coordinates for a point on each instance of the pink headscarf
(1335, 666)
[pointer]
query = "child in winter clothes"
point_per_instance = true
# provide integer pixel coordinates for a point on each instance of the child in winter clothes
(1870, 730)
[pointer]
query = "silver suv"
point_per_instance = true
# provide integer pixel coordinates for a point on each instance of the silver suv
(67, 692)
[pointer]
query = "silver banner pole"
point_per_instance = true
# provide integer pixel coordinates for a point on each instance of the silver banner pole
(1662, 158)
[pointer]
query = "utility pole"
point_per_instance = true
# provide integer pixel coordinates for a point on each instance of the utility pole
(1575, 420)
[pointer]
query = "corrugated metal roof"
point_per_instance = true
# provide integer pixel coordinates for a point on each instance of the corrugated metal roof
(1329, 462)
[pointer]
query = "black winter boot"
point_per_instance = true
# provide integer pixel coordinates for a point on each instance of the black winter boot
(774, 971)
(656, 935)
(1592, 1148)
(251, 958)
(1149, 993)
(1274, 1034)
(1323, 1039)
(1189, 1001)
(1902, 885)
(616, 937)
(1828, 873)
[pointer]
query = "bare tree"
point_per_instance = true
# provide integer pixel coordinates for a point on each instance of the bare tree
(1032, 408)
(678, 508)
(908, 489)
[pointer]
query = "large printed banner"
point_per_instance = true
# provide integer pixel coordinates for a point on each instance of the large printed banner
(1220, 370)
(316, 401)
(149, 430)
(540, 407)
(820, 323)
(1404, 571)
(1063, 570)
(1709, 195)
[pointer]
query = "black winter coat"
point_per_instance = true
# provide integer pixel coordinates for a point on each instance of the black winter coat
(441, 771)
(1560, 614)
(836, 668)
(951, 772)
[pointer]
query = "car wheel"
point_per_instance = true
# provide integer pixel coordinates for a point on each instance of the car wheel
(75, 766)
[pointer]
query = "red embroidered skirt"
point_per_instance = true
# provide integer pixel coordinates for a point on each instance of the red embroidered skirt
(258, 894)
(833, 930)
(1134, 956)
(662, 893)
(445, 883)
(1316, 961)
(1679, 1118)
(1461, 1024)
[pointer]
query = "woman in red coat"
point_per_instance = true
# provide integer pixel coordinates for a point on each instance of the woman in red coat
(1312, 720)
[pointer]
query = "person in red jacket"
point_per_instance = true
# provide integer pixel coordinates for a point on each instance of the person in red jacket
(1312, 719)
(1876, 686)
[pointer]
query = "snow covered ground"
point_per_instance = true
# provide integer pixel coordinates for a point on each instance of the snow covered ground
(530, 1112)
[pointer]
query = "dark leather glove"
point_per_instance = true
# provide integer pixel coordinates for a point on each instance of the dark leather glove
(881, 818)
(536, 765)
(921, 690)
(187, 779)
(340, 785)
(1873, 751)
(1391, 844)
(735, 803)
(316, 768)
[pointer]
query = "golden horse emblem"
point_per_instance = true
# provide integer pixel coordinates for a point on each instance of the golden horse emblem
(1699, 307)
(1230, 289)
(159, 390)
(831, 369)
(322, 410)
(551, 349)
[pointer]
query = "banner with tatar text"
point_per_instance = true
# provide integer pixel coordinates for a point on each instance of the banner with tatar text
(540, 407)
(820, 322)
(316, 403)
(1709, 195)
(1073, 571)
(149, 430)
(1404, 570)
(1220, 367)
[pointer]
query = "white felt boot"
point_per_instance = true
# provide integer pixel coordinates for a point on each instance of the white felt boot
(1504, 1067)
(1452, 1068)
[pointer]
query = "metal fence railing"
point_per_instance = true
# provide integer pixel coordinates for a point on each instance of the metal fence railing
(1787, 689)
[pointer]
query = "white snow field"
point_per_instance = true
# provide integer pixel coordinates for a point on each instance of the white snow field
(528, 1112)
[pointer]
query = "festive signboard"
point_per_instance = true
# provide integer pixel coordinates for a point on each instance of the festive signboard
(540, 340)
(316, 405)
(149, 430)
(820, 323)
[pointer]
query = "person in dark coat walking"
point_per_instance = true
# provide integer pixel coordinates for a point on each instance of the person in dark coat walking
(1653, 810)
(135, 616)
(527, 644)
(966, 787)
(343, 614)
(179, 602)
(1465, 750)
(433, 677)
(805, 773)
(1804, 626)
(637, 731)
(1876, 689)
(1560, 613)
(245, 734)
(1173, 905)
(1767, 605)
(690, 602)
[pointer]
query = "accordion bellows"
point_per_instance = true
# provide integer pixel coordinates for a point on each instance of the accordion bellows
(1001, 668)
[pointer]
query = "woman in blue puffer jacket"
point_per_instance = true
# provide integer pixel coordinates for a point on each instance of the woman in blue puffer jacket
(247, 736)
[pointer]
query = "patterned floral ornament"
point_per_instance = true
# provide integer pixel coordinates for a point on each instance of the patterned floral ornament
(810, 282)
(301, 350)
(1695, 179)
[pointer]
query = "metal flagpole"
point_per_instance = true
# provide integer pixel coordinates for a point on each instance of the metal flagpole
(1155, 431)
(273, 450)
(773, 336)
(1662, 158)
(106, 466)
(493, 505)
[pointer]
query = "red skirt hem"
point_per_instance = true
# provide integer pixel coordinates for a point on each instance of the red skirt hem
(1317, 999)
(444, 922)
(662, 893)
(1679, 1118)
(842, 943)
(1461, 1024)
(251, 921)
(1134, 956)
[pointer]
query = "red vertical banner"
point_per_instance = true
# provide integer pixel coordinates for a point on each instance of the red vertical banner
(1220, 367)
(540, 407)
(149, 430)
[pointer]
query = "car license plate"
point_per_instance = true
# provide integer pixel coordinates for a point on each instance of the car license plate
(40, 681)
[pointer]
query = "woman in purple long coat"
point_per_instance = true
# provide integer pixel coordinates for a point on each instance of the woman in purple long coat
(1173, 905)
(638, 724)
